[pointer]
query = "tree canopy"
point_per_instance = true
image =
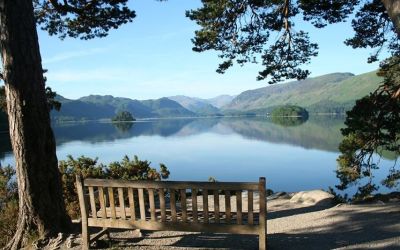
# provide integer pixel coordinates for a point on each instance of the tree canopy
(80, 18)
(41, 206)
(123, 116)
(246, 31)
(264, 31)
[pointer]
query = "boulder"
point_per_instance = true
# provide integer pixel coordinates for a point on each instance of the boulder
(313, 197)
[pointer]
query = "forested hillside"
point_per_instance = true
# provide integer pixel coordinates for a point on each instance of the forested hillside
(332, 93)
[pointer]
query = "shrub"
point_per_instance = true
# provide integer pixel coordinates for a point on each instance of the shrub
(126, 169)
(8, 204)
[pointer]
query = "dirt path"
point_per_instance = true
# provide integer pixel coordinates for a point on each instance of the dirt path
(290, 226)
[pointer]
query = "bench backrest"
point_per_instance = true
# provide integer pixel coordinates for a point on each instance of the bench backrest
(173, 202)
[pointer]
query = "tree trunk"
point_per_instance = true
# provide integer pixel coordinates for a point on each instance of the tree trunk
(41, 206)
(393, 9)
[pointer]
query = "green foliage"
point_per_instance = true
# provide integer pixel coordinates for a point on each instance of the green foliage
(123, 116)
(8, 204)
(253, 31)
(83, 19)
(290, 111)
(239, 30)
(126, 169)
(373, 127)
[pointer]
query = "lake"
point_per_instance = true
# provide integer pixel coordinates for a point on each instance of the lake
(292, 156)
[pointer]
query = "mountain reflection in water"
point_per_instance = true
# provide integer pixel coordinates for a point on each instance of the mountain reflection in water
(293, 156)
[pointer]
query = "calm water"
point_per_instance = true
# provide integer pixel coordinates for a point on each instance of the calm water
(292, 158)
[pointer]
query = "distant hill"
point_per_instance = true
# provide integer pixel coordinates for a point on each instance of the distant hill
(196, 105)
(165, 107)
(95, 107)
(332, 93)
(220, 101)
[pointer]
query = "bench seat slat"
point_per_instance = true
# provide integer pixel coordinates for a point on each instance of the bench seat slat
(131, 199)
(205, 205)
(175, 226)
(162, 204)
(194, 205)
(239, 219)
(227, 207)
(112, 202)
(152, 205)
(183, 205)
(142, 204)
(92, 202)
(102, 203)
(173, 204)
(121, 202)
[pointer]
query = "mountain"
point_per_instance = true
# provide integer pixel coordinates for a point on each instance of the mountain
(220, 101)
(196, 105)
(95, 107)
(332, 93)
(165, 107)
(135, 107)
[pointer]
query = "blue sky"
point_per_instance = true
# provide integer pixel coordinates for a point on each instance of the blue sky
(152, 57)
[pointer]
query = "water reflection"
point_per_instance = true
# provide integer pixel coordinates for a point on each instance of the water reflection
(123, 126)
(292, 157)
(288, 121)
(325, 131)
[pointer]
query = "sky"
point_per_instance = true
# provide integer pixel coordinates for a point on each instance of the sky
(152, 57)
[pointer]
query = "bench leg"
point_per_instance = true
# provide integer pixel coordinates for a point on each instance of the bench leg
(85, 236)
(262, 241)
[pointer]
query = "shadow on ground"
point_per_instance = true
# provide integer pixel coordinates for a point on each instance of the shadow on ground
(377, 227)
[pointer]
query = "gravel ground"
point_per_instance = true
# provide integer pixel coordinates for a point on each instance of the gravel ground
(290, 226)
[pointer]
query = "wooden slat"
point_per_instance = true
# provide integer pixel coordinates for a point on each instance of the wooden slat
(205, 205)
(121, 203)
(152, 206)
(262, 235)
(112, 202)
(228, 207)
(216, 206)
(131, 203)
(84, 217)
(92, 202)
(142, 204)
(162, 204)
(173, 204)
(175, 226)
(183, 205)
(99, 234)
(173, 184)
(239, 219)
(250, 220)
(102, 203)
(194, 205)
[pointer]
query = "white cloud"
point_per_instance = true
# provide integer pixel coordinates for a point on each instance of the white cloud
(73, 54)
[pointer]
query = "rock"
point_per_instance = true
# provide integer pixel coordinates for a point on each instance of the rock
(313, 197)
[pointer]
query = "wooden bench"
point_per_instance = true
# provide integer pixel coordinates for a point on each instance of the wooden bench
(172, 206)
